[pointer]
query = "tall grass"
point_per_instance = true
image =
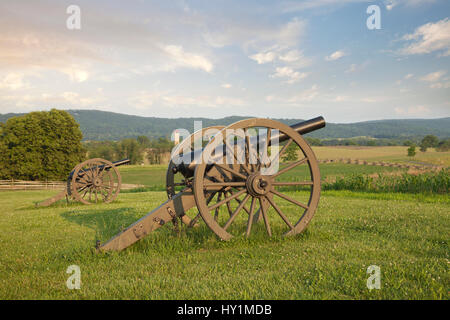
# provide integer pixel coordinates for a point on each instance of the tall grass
(429, 182)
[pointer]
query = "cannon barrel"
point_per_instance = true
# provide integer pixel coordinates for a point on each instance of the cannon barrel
(187, 169)
(121, 162)
(303, 128)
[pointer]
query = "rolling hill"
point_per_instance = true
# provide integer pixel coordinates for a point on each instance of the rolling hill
(101, 125)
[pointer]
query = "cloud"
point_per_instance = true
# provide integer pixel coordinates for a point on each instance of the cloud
(434, 76)
(294, 6)
(76, 75)
(429, 38)
(440, 85)
(335, 55)
(226, 85)
(293, 58)
(145, 100)
(419, 110)
(390, 4)
(262, 57)
(13, 81)
(408, 76)
(292, 75)
(340, 98)
(186, 59)
(305, 96)
(253, 35)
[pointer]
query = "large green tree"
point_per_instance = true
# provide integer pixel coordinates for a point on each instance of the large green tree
(429, 141)
(40, 145)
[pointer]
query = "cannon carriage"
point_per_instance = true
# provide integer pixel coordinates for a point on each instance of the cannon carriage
(236, 175)
(92, 181)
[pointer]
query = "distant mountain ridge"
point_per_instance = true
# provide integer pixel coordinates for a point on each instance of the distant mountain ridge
(102, 125)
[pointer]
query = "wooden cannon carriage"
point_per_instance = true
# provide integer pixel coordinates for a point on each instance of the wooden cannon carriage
(92, 181)
(235, 175)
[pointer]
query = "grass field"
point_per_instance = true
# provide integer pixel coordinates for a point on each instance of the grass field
(405, 235)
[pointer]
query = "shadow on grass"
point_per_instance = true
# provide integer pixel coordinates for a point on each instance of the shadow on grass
(105, 223)
(108, 223)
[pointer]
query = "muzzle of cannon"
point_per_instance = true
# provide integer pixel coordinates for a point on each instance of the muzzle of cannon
(92, 181)
(250, 171)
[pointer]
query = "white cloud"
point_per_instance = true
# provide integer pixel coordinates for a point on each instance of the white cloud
(419, 110)
(270, 98)
(293, 58)
(226, 85)
(434, 76)
(262, 57)
(254, 35)
(187, 59)
(340, 98)
(287, 72)
(408, 76)
(390, 4)
(145, 100)
(202, 101)
(336, 55)
(305, 96)
(75, 74)
(440, 85)
(13, 81)
(429, 38)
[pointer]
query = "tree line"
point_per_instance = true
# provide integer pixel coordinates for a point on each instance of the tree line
(47, 145)
(154, 151)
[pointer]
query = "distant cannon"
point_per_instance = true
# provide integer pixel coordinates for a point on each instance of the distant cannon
(217, 190)
(92, 181)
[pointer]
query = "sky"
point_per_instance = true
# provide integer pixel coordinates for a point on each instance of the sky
(278, 59)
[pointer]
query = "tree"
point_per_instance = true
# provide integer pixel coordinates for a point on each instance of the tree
(408, 143)
(313, 141)
(143, 141)
(429, 141)
(290, 153)
(443, 145)
(40, 145)
(129, 148)
(157, 150)
(412, 151)
(102, 149)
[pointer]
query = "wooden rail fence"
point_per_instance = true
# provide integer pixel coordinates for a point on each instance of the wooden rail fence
(30, 185)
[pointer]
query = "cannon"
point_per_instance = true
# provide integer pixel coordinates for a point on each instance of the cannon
(236, 175)
(92, 181)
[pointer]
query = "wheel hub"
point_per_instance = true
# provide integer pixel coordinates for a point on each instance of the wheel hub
(258, 185)
(97, 182)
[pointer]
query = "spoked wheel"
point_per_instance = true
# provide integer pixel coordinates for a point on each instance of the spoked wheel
(95, 180)
(285, 198)
(174, 179)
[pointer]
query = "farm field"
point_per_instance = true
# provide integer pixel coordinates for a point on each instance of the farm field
(393, 154)
(405, 235)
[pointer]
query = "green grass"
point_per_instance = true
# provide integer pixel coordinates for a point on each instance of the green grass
(405, 235)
